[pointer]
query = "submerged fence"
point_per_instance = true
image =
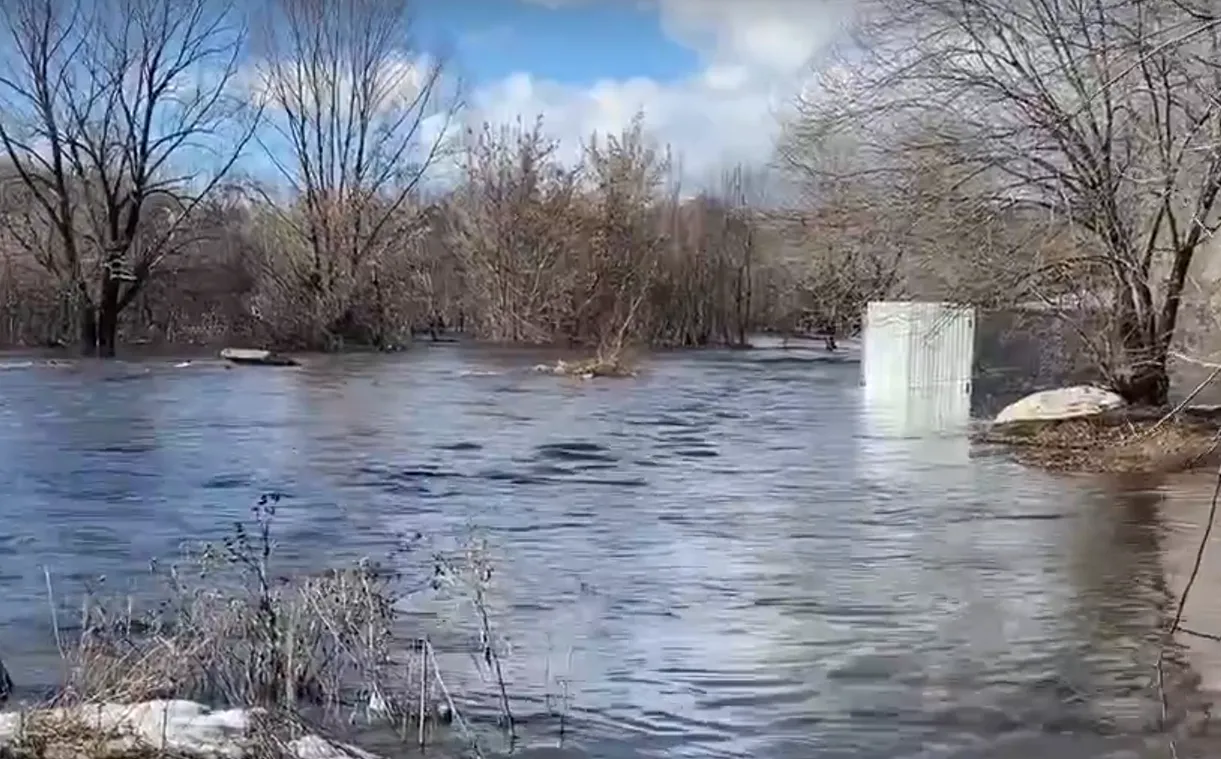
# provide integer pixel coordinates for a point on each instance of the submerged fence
(917, 363)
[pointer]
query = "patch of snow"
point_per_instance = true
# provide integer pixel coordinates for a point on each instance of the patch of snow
(245, 354)
(1062, 403)
(184, 726)
(316, 747)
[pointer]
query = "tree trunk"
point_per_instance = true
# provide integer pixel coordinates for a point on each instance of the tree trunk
(1145, 379)
(108, 318)
(82, 318)
(88, 329)
(1149, 386)
(108, 332)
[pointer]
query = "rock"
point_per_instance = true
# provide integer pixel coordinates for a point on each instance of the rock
(255, 357)
(1211, 412)
(1060, 404)
(184, 728)
(245, 354)
(6, 683)
(560, 367)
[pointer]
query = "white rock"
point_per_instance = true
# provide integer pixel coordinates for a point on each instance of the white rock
(1063, 403)
(245, 354)
(10, 725)
(183, 726)
(314, 747)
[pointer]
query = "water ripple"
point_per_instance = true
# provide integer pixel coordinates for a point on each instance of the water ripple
(719, 558)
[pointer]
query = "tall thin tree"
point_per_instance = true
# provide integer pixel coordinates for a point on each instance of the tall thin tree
(118, 118)
(358, 115)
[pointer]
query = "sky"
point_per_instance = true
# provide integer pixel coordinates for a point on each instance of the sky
(711, 76)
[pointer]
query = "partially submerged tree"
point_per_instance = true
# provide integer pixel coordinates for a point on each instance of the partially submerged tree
(561, 253)
(358, 116)
(731, 245)
(118, 120)
(842, 250)
(627, 175)
(515, 225)
(1100, 115)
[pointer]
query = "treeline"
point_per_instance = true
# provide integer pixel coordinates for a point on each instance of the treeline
(1066, 155)
(524, 249)
(293, 174)
(132, 209)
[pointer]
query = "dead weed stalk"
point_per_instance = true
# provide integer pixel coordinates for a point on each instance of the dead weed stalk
(228, 630)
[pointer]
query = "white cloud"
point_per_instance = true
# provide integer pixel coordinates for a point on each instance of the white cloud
(755, 56)
(405, 100)
(396, 85)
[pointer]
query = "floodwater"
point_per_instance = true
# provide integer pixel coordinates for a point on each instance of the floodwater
(719, 557)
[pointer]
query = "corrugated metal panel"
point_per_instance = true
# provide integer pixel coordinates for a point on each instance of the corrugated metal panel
(916, 365)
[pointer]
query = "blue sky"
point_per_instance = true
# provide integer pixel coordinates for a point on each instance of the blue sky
(711, 77)
(574, 44)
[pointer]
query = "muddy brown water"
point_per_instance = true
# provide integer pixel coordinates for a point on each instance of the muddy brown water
(717, 557)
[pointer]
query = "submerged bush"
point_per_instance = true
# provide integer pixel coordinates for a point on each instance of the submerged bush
(227, 629)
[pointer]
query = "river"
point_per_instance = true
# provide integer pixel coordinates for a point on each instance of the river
(718, 556)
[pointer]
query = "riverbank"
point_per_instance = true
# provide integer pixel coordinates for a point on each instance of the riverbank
(161, 729)
(1126, 441)
(226, 655)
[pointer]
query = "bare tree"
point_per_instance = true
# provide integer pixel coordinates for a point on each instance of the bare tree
(626, 175)
(112, 112)
(515, 225)
(1101, 115)
(847, 230)
(350, 98)
(733, 243)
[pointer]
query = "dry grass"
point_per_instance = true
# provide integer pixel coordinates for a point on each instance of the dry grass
(613, 366)
(307, 654)
(97, 731)
(61, 736)
(1112, 443)
(607, 362)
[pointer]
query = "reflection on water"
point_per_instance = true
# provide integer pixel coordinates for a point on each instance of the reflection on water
(940, 411)
(724, 557)
(1185, 522)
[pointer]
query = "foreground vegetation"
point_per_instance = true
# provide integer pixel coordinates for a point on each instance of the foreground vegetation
(310, 654)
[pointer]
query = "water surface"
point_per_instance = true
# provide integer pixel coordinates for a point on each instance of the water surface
(719, 557)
